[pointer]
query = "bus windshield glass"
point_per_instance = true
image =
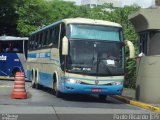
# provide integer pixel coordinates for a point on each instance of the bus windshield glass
(96, 32)
(11, 46)
(100, 58)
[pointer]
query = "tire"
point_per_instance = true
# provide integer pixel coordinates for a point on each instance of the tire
(57, 93)
(37, 86)
(102, 97)
(33, 84)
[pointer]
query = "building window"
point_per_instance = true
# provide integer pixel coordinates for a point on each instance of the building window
(143, 46)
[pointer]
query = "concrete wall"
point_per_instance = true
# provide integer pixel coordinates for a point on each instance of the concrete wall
(154, 45)
(148, 79)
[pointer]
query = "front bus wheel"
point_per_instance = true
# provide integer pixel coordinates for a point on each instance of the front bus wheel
(57, 93)
(102, 97)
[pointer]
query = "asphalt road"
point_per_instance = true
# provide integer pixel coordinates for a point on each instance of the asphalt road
(43, 105)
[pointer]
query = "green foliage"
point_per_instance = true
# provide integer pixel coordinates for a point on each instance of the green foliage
(130, 74)
(8, 17)
(34, 14)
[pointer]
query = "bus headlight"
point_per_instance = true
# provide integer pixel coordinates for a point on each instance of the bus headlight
(73, 81)
(117, 83)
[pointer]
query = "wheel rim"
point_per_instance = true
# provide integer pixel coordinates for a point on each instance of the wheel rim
(33, 81)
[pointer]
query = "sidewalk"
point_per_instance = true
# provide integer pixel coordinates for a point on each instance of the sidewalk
(130, 94)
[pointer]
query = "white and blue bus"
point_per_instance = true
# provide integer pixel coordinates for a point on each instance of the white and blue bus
(79, 56)
(13, 52)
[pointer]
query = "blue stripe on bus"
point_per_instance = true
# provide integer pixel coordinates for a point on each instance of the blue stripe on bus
(39, 55)
(32, 55)
(87, 89)
(29, 75)
(67, 87)
(89, 79)
(45, 79)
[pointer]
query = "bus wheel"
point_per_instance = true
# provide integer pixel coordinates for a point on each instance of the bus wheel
(37, 86)
(102, 97)
(57, 93)
(33, 85)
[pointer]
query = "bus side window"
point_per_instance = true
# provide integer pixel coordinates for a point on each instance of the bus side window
(63, 31)
(15, 49)
(39, 41)
(49, 38)
(56, 36)
(1, 49)
(44, 41)
(35, 42)
(31, 42)
(62, 57)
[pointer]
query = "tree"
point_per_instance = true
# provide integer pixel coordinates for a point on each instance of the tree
(34, 14)
(8, 17)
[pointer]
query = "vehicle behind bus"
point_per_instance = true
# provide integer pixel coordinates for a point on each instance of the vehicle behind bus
(13, 52)
(78, 56)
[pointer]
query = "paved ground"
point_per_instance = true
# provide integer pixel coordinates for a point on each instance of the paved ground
(130, 93)
(42, 103)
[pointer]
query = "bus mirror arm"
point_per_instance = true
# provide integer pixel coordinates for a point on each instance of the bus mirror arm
(65, 45)
(131, 49)
(122, 44)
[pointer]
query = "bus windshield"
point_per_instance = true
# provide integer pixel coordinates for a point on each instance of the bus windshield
(11, 46)
(82, 31)
(95, 50)
(95, 58)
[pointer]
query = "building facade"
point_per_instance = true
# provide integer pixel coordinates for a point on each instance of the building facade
(157, 2)
(93, 3)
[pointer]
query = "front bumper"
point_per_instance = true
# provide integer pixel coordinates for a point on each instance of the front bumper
(88, 89)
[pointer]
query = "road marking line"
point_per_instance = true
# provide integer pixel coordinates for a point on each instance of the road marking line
(5, 86)
(137, 103)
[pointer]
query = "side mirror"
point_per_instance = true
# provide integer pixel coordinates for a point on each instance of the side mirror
(131, 48)
(65, 45)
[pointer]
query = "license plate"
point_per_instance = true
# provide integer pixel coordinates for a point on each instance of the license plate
(96, 90)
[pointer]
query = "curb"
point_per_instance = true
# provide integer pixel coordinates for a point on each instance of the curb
(137, 103)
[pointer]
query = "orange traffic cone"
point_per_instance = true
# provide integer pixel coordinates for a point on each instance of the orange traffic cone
(19, 91)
